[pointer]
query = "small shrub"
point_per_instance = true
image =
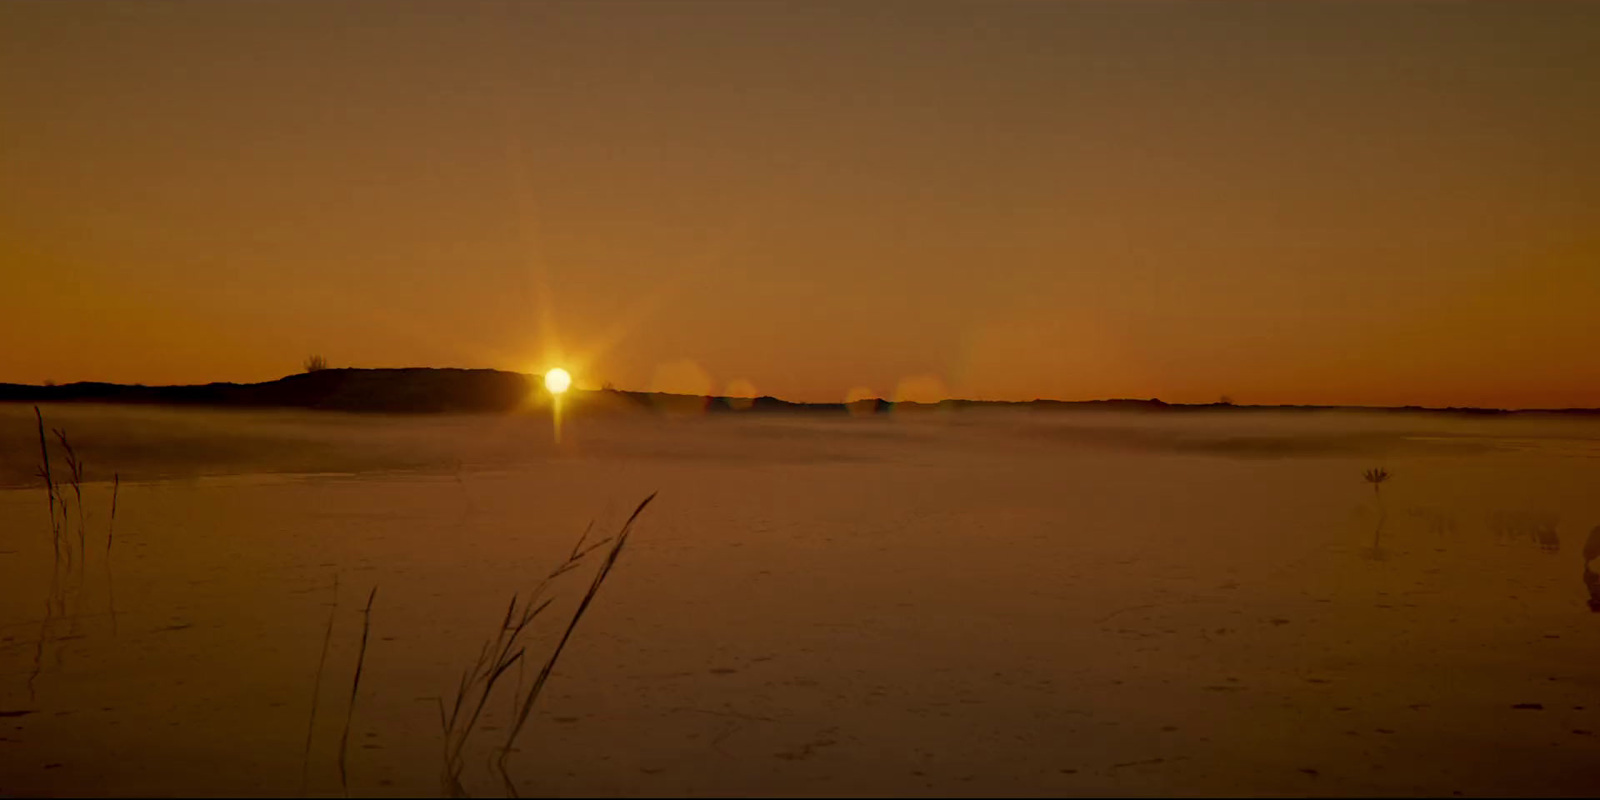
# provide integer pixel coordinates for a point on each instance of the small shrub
(1376, 477)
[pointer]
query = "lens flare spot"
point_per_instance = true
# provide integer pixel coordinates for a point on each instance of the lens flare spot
(859, 393)
(924, 389)
(681, 386)
(741, 394)
(861, 401)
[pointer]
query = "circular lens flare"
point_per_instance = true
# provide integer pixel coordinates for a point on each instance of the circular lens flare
(557, 381)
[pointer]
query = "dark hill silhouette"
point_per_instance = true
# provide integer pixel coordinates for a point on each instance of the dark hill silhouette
(431, 390)
(385, 390)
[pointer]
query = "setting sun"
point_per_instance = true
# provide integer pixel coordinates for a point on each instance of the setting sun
(557, 380)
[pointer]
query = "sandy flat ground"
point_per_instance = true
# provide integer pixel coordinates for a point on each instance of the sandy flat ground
(971, 603)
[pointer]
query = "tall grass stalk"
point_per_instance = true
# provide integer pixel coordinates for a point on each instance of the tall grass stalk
(494, 659)
(65, 582)
(506, 650)
(75, 476)
(111, 586)
(355, 687)
(116, 488)
(496, 656)
(49, 484)
(75, 472)
(549, 665)
(54, 599)
(316, 688)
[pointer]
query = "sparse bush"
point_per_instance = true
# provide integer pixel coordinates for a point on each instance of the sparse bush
(315, 364)
(1376, 477)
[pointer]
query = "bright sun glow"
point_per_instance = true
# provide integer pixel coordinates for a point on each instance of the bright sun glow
(557, 380)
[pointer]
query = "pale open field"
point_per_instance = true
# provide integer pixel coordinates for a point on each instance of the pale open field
(983, 602)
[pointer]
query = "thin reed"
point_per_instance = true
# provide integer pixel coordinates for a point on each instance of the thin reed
(355, 687)
(506, 650)
(549, 665)
(75, 472)
(116, 488)
(49, 483)
(316, 688)
(55, 601)
(111, 586)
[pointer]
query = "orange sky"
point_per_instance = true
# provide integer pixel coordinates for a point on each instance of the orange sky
(1364, 203)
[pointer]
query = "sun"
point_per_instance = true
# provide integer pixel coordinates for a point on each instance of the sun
(557, 380)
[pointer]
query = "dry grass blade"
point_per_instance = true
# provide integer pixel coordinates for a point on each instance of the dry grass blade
(116, 489)
(49, 483)
(75, 471)
(38, 652)
(355, 687)
(577, 547)
(111, 587)
(54, 598)
(566, 635)
(316, 688)
(494, 659)
(504, 650)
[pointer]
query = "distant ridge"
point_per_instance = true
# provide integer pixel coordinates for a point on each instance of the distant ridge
(440, 390)
(382, 390)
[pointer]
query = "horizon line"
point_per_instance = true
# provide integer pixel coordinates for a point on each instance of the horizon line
(1152, 401)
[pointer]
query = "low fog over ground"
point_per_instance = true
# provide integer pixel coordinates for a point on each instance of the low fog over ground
(1005, 601)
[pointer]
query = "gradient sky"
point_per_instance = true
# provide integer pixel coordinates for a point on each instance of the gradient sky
(1356, 202)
